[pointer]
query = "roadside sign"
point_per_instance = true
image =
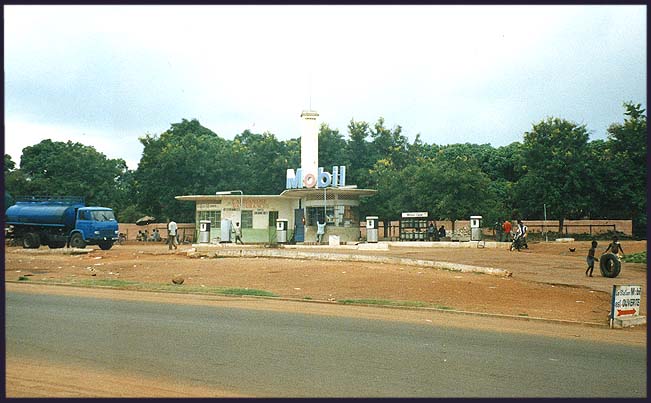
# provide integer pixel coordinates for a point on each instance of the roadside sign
(414, 214)
(625, 301)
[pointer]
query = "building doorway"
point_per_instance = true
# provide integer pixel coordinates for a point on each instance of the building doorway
(273, 216)
(299, 225)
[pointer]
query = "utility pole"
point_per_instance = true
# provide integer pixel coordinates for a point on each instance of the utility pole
(545, 222)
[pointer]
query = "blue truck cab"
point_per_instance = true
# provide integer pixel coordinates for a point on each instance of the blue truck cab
(57, 222)
(94, 226)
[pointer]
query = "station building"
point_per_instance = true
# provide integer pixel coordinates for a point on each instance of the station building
(312, 193)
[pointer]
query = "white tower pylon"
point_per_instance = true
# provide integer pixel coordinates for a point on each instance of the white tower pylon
(309, 142)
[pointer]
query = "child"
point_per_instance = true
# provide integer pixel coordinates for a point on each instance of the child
(591, 259)
(615, 247)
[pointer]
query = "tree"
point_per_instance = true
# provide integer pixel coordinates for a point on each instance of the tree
(10, 165)
(390, 198)
(453, 189)
(558, 172)
(332, 148)
(357, 151)
(263, 162)
(388, 144)
(71, 169)
(626, 168)
(186, 159)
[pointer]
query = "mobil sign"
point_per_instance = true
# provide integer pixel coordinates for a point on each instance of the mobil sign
(322, 179)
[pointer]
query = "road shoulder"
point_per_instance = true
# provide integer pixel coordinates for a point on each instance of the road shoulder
(627, 336)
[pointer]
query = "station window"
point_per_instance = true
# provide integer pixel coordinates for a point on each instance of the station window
(339, 216)
(314, 214)
(215, 217)
(247, 219)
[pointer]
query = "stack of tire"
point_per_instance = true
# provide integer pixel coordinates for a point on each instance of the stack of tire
(610, 265)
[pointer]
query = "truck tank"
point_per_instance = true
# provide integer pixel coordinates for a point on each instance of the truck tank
(48, 213)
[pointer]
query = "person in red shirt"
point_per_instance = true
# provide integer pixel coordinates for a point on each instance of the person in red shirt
(507, 230)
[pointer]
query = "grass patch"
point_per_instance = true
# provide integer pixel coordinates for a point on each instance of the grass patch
(384, 302)
(523, 314)
(178, 288)
(108, 283)
(23, 278)
(635, 257)
(247, 291)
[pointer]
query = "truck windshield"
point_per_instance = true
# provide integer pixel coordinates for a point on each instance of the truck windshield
(103, 215)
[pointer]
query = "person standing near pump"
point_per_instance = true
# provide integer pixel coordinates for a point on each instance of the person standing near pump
(238, 233)
(171, 234)
(320, 231)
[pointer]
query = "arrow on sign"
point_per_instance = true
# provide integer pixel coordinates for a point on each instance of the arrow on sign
(625, 312)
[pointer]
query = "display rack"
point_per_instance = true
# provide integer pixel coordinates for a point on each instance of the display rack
(413, 226)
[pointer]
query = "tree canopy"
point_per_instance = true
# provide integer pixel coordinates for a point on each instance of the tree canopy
(555, 166)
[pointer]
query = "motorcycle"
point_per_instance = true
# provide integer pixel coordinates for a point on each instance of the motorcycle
(519, 243)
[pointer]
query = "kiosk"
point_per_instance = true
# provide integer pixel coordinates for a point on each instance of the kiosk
(413, 226)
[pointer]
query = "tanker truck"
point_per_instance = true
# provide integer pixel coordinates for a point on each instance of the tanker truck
(60, 221)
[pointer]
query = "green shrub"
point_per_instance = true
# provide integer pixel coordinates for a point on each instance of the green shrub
(635, 257)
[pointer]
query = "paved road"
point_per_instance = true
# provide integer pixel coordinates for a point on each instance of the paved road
(264, 353)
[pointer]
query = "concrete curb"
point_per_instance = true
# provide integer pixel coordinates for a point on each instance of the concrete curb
(346, 257)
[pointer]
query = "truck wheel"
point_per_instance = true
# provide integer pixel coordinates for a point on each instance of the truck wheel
(31, 241)
(56, 244)
(610, 265)
(105, 245)
(77, 241)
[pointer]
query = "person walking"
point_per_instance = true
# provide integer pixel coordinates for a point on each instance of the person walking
(320, 231)
(507, 230)
(238, 233)
(590, 259)
(171, 235)
(442, 232)
(498, 230)
(521, 234)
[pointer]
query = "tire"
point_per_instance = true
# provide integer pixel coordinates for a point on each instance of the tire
(609, 265)
(31, 240)
(105, 245)
(56, 244)
(77, 241)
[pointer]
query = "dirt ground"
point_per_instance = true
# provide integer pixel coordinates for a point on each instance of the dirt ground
(547, 281)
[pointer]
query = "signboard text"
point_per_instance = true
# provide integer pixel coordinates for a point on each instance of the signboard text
(323, 179)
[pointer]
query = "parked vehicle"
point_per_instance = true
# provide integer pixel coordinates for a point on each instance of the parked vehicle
(60, 221)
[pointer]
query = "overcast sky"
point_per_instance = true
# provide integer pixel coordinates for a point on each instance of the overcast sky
(106, 75)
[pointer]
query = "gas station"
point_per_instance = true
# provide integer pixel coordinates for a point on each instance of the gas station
(312, 194)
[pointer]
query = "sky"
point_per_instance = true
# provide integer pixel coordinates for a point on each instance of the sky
(106, 75)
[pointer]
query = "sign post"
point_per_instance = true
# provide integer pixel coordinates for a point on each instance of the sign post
(625, 303)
